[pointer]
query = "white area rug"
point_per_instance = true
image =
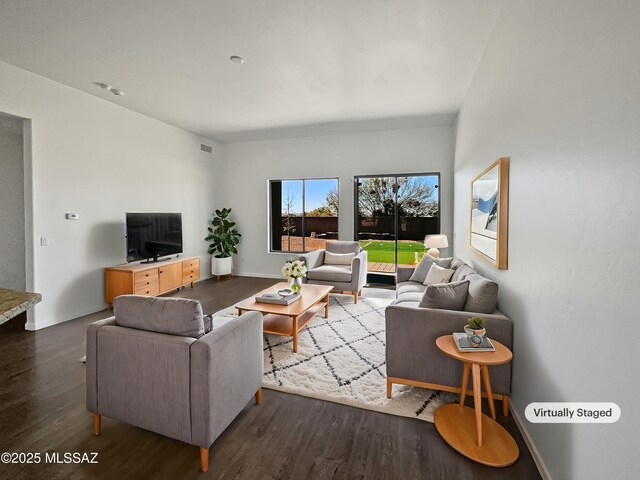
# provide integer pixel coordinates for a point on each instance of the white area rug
(342, 359)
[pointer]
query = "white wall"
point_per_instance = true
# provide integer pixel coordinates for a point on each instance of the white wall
(248, 167)
(12, 249)
(97, 159)
(558, 91)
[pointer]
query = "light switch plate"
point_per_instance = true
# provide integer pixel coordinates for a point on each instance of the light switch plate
(72, 216)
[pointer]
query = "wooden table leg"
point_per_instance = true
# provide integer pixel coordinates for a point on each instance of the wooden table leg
(487, 387)
(295, 334)
(465, 383)
(477, 399)
(326, 307)
(96, 423)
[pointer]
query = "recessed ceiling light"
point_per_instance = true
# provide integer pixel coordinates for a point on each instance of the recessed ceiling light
(236, 59)
(106, 86)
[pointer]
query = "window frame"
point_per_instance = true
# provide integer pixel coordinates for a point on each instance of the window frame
(270, 211)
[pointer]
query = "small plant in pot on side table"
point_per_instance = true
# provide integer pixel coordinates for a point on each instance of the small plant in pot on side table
(475, 330)
(223, 237)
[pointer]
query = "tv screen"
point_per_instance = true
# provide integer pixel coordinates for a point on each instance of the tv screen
(153, 235)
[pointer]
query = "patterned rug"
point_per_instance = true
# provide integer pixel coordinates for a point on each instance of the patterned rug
(342, 359)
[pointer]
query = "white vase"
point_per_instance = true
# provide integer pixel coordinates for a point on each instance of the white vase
(221, 266)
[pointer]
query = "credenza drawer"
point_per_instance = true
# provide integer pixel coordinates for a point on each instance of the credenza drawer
(190, 265)
(191, 277)
(152, 290)
(145, 275)
(145, 284)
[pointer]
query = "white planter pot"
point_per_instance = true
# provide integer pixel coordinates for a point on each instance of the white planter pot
(221, 266)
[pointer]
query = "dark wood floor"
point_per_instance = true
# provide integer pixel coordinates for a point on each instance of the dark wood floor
(42, 409)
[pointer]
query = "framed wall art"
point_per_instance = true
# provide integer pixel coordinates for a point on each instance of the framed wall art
(490, 213)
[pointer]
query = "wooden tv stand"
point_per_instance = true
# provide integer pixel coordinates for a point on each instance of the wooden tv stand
(150, 279)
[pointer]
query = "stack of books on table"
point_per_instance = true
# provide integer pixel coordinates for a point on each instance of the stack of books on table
(278, 299)
(464, 344)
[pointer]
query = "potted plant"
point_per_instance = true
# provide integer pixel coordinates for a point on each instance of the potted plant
(475, 330)
(223, 237)
(295, 270)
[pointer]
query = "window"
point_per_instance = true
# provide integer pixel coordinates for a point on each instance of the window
(303, 214)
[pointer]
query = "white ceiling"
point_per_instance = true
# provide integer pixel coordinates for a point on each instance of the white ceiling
(307, 63)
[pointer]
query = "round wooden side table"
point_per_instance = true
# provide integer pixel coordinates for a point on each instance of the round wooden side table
(468, 430)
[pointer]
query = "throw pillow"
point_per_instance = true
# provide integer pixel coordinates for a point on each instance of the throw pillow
(447, 296)
(420, 273)
(338, 258)
(438, 274)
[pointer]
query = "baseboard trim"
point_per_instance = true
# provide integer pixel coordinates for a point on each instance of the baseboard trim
(259, 275)
(535, 454)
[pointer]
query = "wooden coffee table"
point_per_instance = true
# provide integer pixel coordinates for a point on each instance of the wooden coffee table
(288, 320)
(469, 431)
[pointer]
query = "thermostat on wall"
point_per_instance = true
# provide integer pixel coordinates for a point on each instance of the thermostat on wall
(72, 216)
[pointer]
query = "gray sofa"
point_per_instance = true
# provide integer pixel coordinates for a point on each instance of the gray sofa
(411, 331)
(344, 278)
(153, 366)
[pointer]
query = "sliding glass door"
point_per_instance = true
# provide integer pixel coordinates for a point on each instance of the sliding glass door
(393, 215)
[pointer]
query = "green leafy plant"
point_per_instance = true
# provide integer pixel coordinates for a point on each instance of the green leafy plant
(222, 234)
(476, 323)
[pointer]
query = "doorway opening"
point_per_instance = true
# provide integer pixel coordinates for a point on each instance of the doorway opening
(393, 215)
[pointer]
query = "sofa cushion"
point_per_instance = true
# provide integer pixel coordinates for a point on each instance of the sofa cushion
(410, 296)
(407, 303)
(338, 258)
(175, 316)
(342, 247)
(404, 287)
(437, 274)
(420, 273)
(456, 263)
(482, 295)
(462, 272)
(330, 273)
(447, 296)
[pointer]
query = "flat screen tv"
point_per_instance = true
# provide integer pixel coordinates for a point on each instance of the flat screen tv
(153, 235)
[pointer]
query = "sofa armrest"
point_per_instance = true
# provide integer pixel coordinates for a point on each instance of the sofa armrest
(313, 259)
(359, 267)
(91, 363)
(411, 352)
(226, 371)
(404, 274)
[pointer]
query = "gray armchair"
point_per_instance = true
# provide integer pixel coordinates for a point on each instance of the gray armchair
(344, 278)
(153, 366)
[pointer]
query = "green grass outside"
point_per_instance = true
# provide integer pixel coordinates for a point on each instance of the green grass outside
(383, 251)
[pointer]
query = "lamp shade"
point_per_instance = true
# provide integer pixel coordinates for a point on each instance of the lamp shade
(436, 241)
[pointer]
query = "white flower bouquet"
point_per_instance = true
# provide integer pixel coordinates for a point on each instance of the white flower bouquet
(294, 269)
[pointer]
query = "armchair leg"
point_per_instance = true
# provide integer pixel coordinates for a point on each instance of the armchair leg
(505, 405)
(204, 459)
(259, 396)
(96, 423)
(355, 297)
(389, 387)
